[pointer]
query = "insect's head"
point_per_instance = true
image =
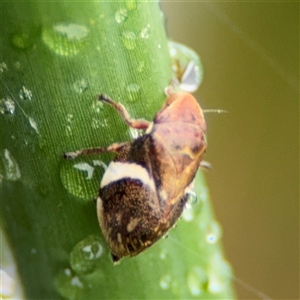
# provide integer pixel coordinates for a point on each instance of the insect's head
(181, 107)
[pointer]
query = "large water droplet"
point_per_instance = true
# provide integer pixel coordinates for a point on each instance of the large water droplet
(81, 178)
(85, 256)
(196, 280)
(9, 168)
(129, 39)
(70, 285)
(65, 39)
(7, 106)
(187, 67)
(121, 15)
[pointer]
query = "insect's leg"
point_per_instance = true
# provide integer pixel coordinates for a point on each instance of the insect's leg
(97, 150)
(134, 123)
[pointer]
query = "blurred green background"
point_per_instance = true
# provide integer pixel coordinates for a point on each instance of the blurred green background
(250, 52)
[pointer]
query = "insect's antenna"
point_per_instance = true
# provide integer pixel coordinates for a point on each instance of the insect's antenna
(218, 111)
(249, 288)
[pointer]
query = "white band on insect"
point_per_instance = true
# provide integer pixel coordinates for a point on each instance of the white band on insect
(119, 170)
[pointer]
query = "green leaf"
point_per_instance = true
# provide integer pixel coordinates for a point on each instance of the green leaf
(56, 58)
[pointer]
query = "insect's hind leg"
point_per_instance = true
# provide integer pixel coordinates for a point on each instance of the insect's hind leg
(115, 147)
(134, 123)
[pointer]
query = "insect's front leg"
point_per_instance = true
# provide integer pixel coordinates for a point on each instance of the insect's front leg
(134, 123)
(115, 147)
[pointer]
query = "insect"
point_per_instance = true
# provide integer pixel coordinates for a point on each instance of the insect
(146, 186)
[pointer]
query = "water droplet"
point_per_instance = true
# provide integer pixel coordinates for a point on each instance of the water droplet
(192, 198)
(25, 94)
(3, 67)
(165, 282)
(131, 4)
(219, 274)
(163, 254)
(187, 67)
(70, 285)
(7, 106)
(188, 214)
(121, 15)
(80, 86)
(85, 256)
(129, 39)
(141, 66)
(11, 286)
(33, 124)
(9, 169)
(97, 106)
(17, 65)
(21, 41)
(213, 232)
(196, 281)
(65, 39)
(81, 179)
(145, 33)
(33, 251)
(134, 90)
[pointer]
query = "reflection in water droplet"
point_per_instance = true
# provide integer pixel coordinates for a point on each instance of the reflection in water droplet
(10, 287)
(188, 214)
(196, 280)
(213, 232)
(25, 94)
(192, 198)
(7, 106)
(121, 15)
(187, 67)
(145, 33)
(85, 256)
(3, 67)
(165, 282)
(9, 169)
(33, 124)
(69, 285)
(81, 179)
(80, 86)
(86, 168)
(65, 38)
(129, 39)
